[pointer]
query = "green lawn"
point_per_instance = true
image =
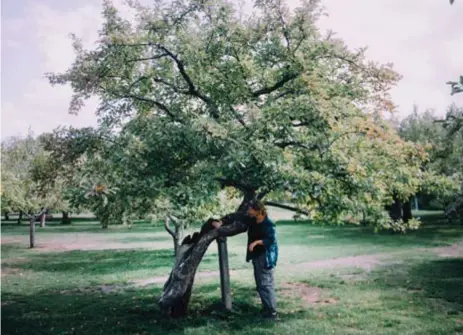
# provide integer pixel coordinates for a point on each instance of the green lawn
(79, 281)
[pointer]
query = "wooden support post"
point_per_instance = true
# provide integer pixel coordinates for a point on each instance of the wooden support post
(224, 273)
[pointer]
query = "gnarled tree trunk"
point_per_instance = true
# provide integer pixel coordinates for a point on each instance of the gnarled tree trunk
(177, 290)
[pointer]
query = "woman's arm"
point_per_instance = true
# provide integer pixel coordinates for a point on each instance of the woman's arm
(270, 233)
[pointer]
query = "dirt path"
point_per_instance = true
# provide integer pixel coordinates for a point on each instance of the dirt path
(365, 262)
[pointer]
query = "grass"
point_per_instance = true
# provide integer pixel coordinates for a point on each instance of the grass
(85, 291)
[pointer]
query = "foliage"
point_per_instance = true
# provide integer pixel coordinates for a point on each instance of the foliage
(205, 96)
(443, 141)
(27, 184)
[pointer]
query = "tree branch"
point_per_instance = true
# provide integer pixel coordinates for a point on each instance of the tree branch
(167, 227)
(290, 208)
(147, 58)
(284, 145)
(159, 105)
(266, 90)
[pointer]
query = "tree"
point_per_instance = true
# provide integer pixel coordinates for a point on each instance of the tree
(204, 97)
(20, 192)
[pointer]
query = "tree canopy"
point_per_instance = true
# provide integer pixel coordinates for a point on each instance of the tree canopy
(198, 95)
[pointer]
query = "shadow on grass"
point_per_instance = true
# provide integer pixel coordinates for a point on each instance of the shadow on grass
(101, 262)
(128, 312)
(441, 279)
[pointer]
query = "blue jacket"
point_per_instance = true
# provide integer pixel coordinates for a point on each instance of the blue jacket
(270, 244)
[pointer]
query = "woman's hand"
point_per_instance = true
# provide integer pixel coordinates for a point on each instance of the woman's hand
(217, 224)
(254, 244)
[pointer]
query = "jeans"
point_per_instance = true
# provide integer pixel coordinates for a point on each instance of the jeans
(264, 283)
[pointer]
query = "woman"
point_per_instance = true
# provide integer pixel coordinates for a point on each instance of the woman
(263, 251)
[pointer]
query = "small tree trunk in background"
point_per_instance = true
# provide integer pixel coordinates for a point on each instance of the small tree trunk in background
(104, 224)
(178, 236)
(32, 231)
(125, 218)
(395, 210)
(7, 217)
(407, 211)
(20, 217)
(66, 219)
(43, 218)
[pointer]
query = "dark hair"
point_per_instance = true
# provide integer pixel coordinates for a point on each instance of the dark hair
(259, 206)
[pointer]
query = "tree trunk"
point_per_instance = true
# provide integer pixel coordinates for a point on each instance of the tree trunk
(177, 235)
(7, 217)
(177, 290)
(66, 219)
(32, 231)
(20, 217)
(43, 218)
(395, 210)
(407, 211)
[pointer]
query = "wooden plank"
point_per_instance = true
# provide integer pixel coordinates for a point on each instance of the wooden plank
(224, 273)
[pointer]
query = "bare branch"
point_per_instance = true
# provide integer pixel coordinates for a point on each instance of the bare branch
(166, 226)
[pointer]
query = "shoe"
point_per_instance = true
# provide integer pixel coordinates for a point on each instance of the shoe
(271, 315)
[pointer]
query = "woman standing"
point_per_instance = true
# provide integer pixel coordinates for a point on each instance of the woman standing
(263, 252)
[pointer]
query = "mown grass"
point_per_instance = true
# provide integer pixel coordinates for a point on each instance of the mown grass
(63, 292)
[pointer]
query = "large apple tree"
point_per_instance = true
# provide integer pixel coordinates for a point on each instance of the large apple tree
(203, 96)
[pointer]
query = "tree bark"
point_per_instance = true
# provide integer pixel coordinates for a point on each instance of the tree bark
(20, 217)
(43, 218)
(177, 290)
(395, 209)
(407, 211)
(177, 234)
(32, 231)
(66, 219)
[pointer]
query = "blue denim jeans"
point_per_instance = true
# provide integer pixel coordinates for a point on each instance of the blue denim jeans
(264, 283)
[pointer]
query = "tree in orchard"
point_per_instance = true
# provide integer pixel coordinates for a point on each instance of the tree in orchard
(205, 97)
(444, 151)
(76, 154)
(21, 162)
(453, 150)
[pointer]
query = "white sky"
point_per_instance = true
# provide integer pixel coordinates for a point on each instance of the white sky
(423, 38)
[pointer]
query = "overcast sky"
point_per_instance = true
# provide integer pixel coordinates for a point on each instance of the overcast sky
(423, 38)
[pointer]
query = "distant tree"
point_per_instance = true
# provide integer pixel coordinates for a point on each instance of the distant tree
(20, 192)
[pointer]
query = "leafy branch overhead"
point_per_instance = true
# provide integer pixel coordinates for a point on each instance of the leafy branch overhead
(201, 93)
